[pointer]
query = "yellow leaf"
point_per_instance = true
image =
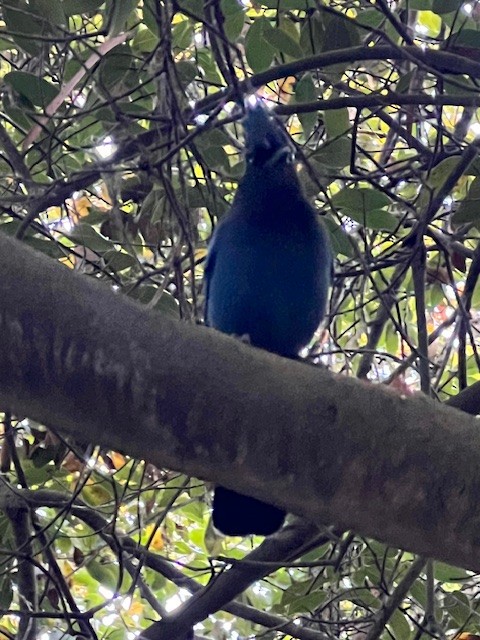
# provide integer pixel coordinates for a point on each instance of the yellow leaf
(156, 542)
(104, 195)
(68, 262)
(136, 609)
(117, 459)
(54, 213)
(200, 254)
(81, 206)
(96, 493)
(285, 87)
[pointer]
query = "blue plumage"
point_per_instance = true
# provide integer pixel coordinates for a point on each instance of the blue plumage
(267, 277)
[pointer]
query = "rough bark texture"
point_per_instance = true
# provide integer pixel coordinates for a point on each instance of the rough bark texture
(81, 358)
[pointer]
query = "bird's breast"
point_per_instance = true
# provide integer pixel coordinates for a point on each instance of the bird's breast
(270, 284)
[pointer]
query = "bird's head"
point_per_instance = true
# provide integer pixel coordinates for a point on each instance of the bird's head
(267, 144)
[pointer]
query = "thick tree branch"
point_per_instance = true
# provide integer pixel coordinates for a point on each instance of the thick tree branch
(81, 358)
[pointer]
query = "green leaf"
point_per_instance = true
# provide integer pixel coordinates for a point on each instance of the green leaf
(216, 158)
(340, 33)
(48, 247)
(6, 591)
(436, 295)
(335, 153)
(258, 52)
(288, 25)
(442, 170)
(199, 196)
(370, 18)
(182, 34)
(6, 44)
(115, 65)
(283, 42)
(392, 339)
(37, 90)
(141, 109)
(118, 260)
(404, 82)
(51, 11)
(337, 122)
(431, 22)
(212, 138)
(234, 18)
(469, 209)
(468, 212)
(104, 574)
(86, 236)
(445, 6)
(419, 592)
(374, 219)
(187, 71)
(207, 66)
(194, 7)
(320, 174)
(459, 85)
(419, 5)
(118, 634)
(458, 606)
(305, 89)
(150, 16)
(19, 19)
(399, 627)
(289, 5)
(40, 475)
(466, 38)
(305, 92)
(341, 241)
(78, 7)
(476, 298)
(167, 304)
(312, 34)
(359, 200)
(144, 41)
(117, 13)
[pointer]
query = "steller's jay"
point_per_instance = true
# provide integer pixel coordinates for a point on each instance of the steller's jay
(267, 277)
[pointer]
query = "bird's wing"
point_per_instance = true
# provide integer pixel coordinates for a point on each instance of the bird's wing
(207, 274)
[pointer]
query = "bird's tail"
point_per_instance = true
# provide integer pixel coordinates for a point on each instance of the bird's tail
(237, 515)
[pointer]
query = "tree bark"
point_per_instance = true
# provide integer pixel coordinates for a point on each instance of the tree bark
(83, 359)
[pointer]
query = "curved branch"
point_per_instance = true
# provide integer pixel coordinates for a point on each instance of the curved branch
(288, 543)
(79, 357)
(440, 62)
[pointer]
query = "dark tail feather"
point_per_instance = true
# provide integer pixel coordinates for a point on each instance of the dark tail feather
(237, 515)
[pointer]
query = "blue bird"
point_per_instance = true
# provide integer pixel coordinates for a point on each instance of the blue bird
(267, 277)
